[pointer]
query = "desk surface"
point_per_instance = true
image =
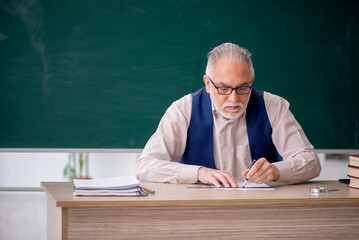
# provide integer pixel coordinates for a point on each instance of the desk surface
(179, 195)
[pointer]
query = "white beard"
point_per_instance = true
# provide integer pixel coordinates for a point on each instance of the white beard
(221, 110)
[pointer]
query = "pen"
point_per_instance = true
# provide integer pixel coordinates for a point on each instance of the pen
(148, 190)
(246, 179)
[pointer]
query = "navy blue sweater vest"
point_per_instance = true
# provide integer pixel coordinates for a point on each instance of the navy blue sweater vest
(199, 146)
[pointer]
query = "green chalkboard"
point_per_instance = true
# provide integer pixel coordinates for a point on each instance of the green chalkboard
(100, 74)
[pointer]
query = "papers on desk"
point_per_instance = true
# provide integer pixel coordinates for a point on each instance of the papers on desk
(250, 186)
(119, 186)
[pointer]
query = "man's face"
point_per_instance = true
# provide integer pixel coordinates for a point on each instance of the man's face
(227, 73)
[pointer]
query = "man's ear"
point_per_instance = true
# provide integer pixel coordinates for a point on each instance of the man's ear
(206, 82)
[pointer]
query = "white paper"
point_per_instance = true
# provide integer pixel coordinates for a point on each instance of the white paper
(106, 183)
(129, 194)
(250, 186)
(135, 191)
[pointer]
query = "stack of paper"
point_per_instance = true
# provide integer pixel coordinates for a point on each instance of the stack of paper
(119, 186)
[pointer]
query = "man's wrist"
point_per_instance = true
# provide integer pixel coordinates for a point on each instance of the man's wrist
(189, 174)
(276, 173)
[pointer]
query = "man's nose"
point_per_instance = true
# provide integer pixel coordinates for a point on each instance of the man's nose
(233, 97)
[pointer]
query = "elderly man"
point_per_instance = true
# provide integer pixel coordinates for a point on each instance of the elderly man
(213, 135)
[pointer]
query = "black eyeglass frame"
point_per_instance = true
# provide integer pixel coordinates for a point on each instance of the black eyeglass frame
(229, 93)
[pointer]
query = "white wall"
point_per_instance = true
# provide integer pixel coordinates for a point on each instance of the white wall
(22, 215)
(333, 168)
(29, 169)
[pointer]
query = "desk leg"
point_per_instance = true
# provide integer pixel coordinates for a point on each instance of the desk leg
(64, 224)
(56, 221)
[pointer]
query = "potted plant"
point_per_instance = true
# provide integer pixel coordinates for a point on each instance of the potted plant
(77, 166)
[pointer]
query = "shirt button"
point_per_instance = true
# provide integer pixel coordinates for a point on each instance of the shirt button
(226, 143)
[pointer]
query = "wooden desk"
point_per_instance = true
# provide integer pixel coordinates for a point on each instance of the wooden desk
(175, 211)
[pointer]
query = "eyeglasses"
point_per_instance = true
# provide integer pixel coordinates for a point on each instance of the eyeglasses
(242, 90)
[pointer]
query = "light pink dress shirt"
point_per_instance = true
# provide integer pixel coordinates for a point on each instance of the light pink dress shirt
(159, 161)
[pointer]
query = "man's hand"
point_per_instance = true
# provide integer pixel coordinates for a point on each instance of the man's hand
(262, 172)
(216, 177)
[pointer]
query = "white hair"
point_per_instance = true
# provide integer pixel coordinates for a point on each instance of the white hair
(228, 51)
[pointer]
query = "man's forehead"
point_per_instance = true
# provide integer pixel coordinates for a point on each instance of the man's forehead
(246, 83)
(232, 73)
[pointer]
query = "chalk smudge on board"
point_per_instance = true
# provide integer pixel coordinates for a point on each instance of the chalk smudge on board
(30, 12)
